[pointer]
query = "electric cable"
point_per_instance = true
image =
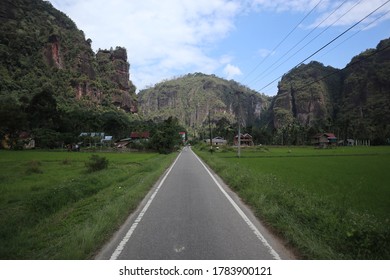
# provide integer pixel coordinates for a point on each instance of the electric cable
(357, 32)
(281, 42)
(330, 42)
(273, 69)
(346, 67)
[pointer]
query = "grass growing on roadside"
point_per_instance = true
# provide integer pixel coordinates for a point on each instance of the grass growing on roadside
(329, 204)
(64, 212)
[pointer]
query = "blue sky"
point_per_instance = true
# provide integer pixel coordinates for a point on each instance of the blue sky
(233, 39)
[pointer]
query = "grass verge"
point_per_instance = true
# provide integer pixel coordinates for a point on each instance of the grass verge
(328, 204)
(52, 208)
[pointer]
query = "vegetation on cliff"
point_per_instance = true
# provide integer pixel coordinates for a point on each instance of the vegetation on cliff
(353, 102)
(54, 86)
(199, 100)
(51, 82)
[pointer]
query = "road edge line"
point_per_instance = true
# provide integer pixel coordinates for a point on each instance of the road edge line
(129, 233)
(241, 213)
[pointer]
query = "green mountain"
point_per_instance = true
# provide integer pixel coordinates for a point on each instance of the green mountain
(353, 102)
(54, 85)
(50, 77)
(193, 98)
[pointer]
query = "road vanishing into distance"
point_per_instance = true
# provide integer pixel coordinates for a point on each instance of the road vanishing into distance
(191, 215)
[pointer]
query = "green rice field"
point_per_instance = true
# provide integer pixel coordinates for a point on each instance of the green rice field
(326, 203)
(51, 207)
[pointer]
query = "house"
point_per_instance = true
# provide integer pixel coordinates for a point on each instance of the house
(324, 140)
(216, 141)
(183, 136)
(123, 143)
(140, 135)
(24, 140)
(245, 140)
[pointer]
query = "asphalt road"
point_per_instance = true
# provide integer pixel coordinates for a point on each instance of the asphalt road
(190, 214)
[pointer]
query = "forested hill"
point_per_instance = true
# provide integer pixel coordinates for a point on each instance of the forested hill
(50, 76)
(353, 102)
(54, 86)
(194, 97)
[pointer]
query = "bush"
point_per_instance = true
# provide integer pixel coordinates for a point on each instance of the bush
(34, 167)
(96, 163)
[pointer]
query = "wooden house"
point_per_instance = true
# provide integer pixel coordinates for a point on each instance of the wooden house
(245, 140)
(140, 135)
(324, 140)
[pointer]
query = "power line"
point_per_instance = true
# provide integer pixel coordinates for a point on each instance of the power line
(346, 67)
(334, 39)
(270, 67)
(357, 32)
(281, 42)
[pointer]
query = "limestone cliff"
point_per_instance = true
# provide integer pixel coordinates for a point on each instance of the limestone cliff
(304, 98)
(353, 102)
(40, 45)
(192, 97)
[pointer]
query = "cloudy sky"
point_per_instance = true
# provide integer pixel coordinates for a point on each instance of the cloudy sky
(251, 41)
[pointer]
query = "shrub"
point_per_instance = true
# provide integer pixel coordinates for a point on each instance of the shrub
(96, 163)
(34, 167)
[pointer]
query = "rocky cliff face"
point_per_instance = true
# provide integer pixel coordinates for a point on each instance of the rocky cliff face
(192, 97)
(304, 98)
(353, 102)
(365, 101)
(115, 70)
(44, 42)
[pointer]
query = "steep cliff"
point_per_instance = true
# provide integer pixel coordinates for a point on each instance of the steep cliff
(192, 97)
(114, 70)
(41, 47)
(365, 101)
(305, 98)
(353, 102)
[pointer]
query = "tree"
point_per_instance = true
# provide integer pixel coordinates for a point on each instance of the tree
(43, 110)
(115, 124)
(12, 119)
(166, 138)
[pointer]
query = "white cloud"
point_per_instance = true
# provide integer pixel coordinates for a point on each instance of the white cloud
(161, 37)
(265, 52)
(325, 8)
(231, 71)
(351, 12)
(283, 5)
(173, 37)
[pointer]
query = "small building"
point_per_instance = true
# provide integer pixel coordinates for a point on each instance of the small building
(245, 140)
(216, 141)
(324, 140)
(145, 135)
(123, 143)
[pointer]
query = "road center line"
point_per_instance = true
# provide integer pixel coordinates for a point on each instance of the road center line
(126, 238)
(242, 214)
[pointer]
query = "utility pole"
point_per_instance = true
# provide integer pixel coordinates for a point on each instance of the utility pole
(239, 125)
(239, 139)
(211, 141)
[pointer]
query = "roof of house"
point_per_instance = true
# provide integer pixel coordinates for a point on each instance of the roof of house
(327, 135)
(139, 135)
(219, 140)
(244, 136)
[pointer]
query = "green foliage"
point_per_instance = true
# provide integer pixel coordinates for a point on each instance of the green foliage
(352, 102)
(96, 163)
(165, 138)
(192, 97)
(51, 80)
